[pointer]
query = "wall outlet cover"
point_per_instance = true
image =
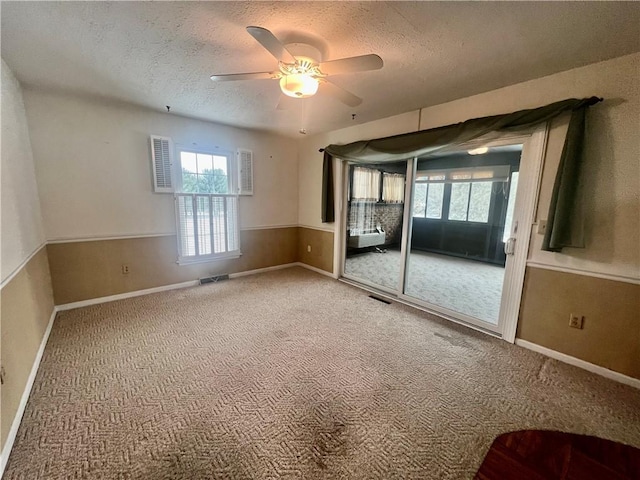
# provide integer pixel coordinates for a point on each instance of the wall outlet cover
(576, 321)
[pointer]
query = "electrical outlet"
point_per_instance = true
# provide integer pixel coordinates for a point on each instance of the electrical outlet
(309, 248)
(125, 269)
(576, 321)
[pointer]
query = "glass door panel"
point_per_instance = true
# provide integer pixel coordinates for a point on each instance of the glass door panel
(462, 206)
(374, 220)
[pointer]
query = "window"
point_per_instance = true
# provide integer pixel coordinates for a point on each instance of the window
(479, 202)
(420, 199)
(206, 208)
(428, 200)
(462, 195)
(372, 185)
(470, 201)
(434, 200)
(459, 202)
(366, 184)
(204, 173)
(392, 187)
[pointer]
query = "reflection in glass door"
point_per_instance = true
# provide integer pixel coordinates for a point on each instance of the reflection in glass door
(462, 211)
(375, 209)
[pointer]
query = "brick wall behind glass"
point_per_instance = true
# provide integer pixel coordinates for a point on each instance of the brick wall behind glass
(389, 216)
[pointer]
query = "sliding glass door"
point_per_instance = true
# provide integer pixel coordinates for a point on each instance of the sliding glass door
(374, 221)
(456, 260)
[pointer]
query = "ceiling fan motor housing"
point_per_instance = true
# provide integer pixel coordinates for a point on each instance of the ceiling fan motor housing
(298, 79)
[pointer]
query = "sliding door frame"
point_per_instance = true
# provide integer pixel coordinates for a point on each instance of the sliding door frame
(534, 142)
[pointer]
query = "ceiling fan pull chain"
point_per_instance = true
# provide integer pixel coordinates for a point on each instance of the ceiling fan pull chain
(302, 131)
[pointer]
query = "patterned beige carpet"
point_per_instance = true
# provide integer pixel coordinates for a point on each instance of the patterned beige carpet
(290, 374)
(462, 285)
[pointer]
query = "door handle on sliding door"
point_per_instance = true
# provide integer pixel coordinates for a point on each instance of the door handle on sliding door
(510, 246)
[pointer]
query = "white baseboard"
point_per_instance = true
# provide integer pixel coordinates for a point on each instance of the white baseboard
(605, 372)
(314, 269)
(11, 437)
(121, 296)
(262, 270)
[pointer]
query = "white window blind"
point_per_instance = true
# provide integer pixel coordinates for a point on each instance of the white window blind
(393, 188)
(207, 226)
(366, 184)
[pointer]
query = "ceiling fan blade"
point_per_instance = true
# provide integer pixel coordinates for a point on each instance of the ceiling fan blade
(269, 41)
(351, 64)
(245, 76)
(339, 93)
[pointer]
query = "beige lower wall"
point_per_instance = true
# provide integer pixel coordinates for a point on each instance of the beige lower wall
(26, 304)
(93, 269)
(321, 243)
(611, 334)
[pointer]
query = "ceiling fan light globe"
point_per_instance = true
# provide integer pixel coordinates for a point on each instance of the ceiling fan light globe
(299, 85)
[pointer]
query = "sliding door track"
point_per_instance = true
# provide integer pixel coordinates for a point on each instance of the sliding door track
(389, 298)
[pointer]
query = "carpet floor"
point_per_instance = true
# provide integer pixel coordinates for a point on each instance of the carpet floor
(465, 286)
(290, 374)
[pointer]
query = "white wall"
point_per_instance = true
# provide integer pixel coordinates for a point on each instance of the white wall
(611, 169)
(94, 173)
(21, 221)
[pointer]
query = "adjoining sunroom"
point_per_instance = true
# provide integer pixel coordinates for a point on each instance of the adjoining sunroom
(460, 221)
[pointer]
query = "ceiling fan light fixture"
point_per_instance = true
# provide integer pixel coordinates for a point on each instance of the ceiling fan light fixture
(299, 85)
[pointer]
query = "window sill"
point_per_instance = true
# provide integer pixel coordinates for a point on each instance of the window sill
(208, 259)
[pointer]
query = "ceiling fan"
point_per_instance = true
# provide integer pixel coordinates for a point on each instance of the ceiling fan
(301, 71)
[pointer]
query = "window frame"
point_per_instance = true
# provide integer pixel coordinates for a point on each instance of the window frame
(232, 186)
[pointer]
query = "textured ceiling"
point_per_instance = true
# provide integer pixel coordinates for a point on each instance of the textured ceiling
(162, 53)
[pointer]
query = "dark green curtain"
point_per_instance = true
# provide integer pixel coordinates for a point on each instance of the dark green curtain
(564, 227)
(560, 231)
(328, 212)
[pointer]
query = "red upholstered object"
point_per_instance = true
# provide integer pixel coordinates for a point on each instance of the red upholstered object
(546, 455)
